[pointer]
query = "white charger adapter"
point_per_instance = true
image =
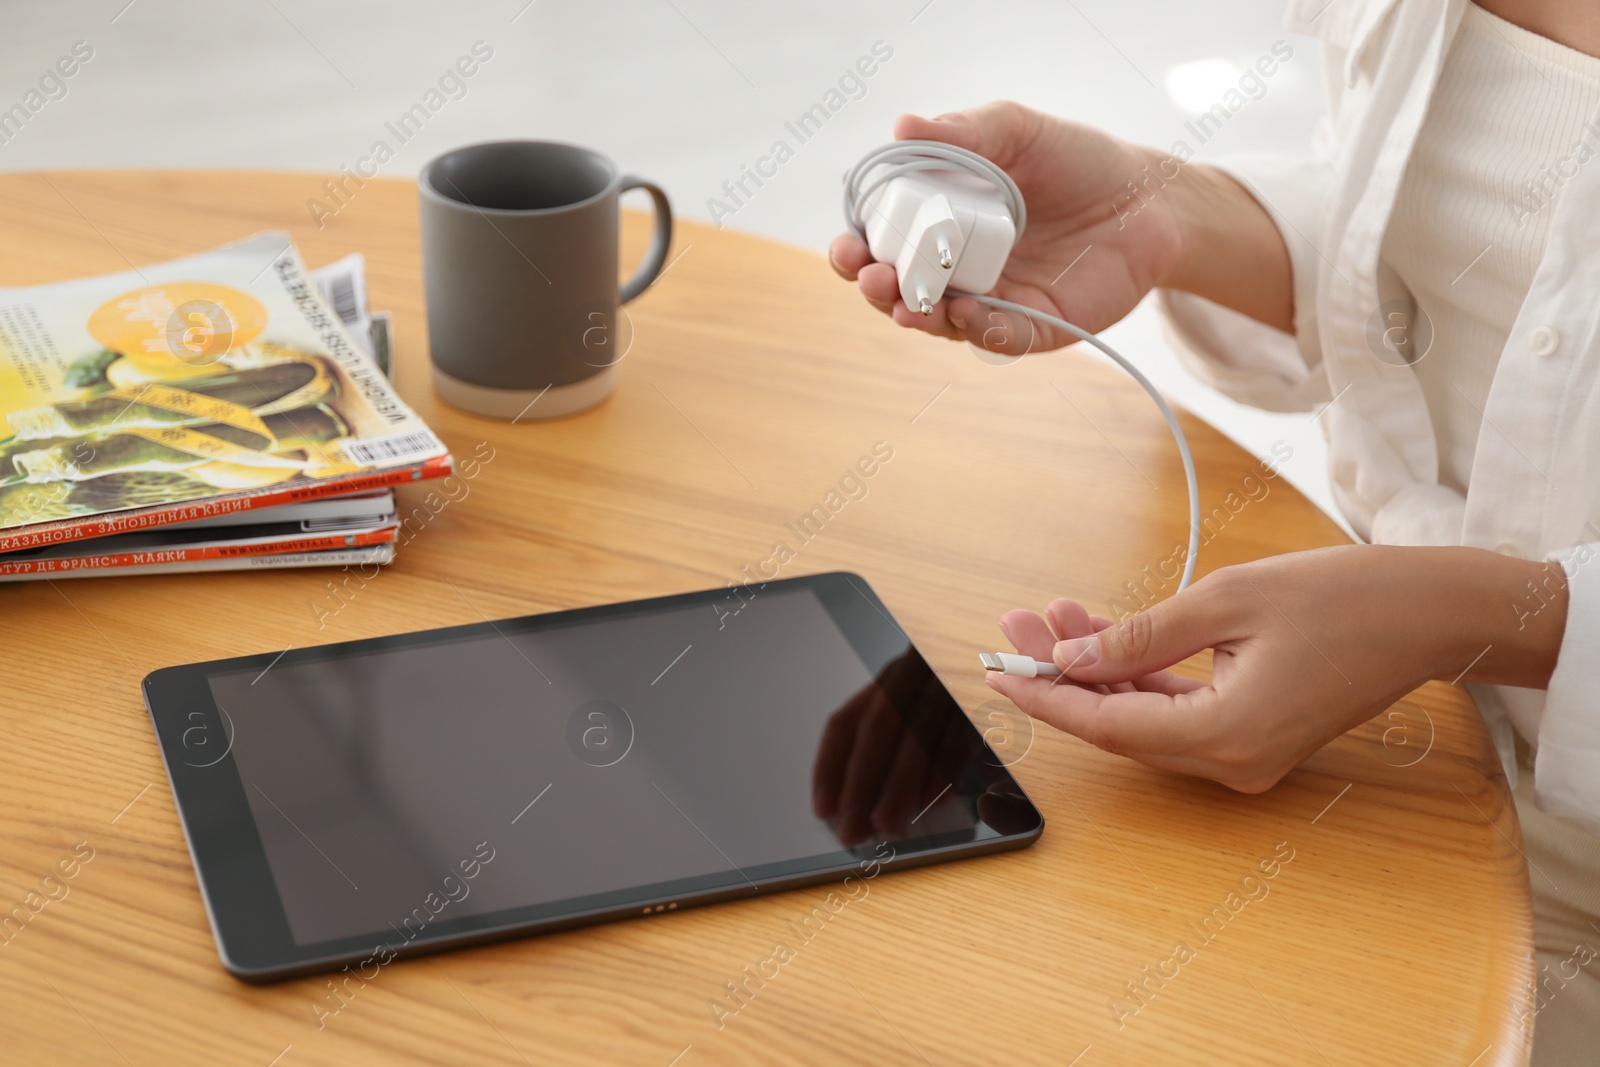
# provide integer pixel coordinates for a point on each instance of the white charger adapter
(947, 219)
(941, 230)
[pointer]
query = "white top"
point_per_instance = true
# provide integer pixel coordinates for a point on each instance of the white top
(1503, 131)
(1531, 486)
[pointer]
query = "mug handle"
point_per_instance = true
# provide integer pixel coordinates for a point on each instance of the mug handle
(656, 257)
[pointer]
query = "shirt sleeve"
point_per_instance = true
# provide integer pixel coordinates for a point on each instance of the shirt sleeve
(1566, 770)
(1246, 360)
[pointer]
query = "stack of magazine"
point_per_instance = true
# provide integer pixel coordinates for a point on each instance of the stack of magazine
(226, 411)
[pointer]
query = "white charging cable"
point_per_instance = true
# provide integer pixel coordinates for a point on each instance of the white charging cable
(946, 215)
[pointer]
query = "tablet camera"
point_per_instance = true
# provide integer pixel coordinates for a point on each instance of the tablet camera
(600, 733)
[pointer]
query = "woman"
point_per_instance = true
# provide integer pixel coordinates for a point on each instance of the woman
(1449, 188)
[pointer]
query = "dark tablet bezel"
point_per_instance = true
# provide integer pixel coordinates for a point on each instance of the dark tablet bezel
(236, 881)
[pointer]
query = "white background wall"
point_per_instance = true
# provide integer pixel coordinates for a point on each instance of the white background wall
(683, 91)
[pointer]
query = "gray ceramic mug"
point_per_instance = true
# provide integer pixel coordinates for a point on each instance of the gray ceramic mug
(519, 263)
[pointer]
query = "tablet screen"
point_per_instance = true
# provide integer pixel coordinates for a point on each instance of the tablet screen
(570, 761)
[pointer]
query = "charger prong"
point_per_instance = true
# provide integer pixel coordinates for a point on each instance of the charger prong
(924, 302)
(946, 259)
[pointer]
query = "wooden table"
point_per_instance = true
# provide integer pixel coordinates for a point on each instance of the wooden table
(1399, 932)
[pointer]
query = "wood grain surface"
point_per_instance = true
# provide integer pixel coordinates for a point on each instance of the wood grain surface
(1398, 933)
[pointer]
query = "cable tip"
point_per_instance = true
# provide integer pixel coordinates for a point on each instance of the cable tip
(1016, 666)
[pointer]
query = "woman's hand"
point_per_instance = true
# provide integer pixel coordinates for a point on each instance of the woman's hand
(1107, 222)
(1305, 647)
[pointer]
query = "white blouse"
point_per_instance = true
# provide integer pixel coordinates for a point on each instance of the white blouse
(1460, 409)
(1470, 221)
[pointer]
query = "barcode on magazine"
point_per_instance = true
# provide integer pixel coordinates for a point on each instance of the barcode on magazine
(384, 449)
(342, 295)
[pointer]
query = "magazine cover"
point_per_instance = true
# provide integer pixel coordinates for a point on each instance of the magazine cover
(212, 378)
(372, 555)
(191, 544)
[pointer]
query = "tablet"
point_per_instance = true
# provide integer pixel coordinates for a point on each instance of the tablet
(350, 804)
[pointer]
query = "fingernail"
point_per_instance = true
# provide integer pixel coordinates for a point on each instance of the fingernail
(1078, 652)
(1005, 629)
(960, 324)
